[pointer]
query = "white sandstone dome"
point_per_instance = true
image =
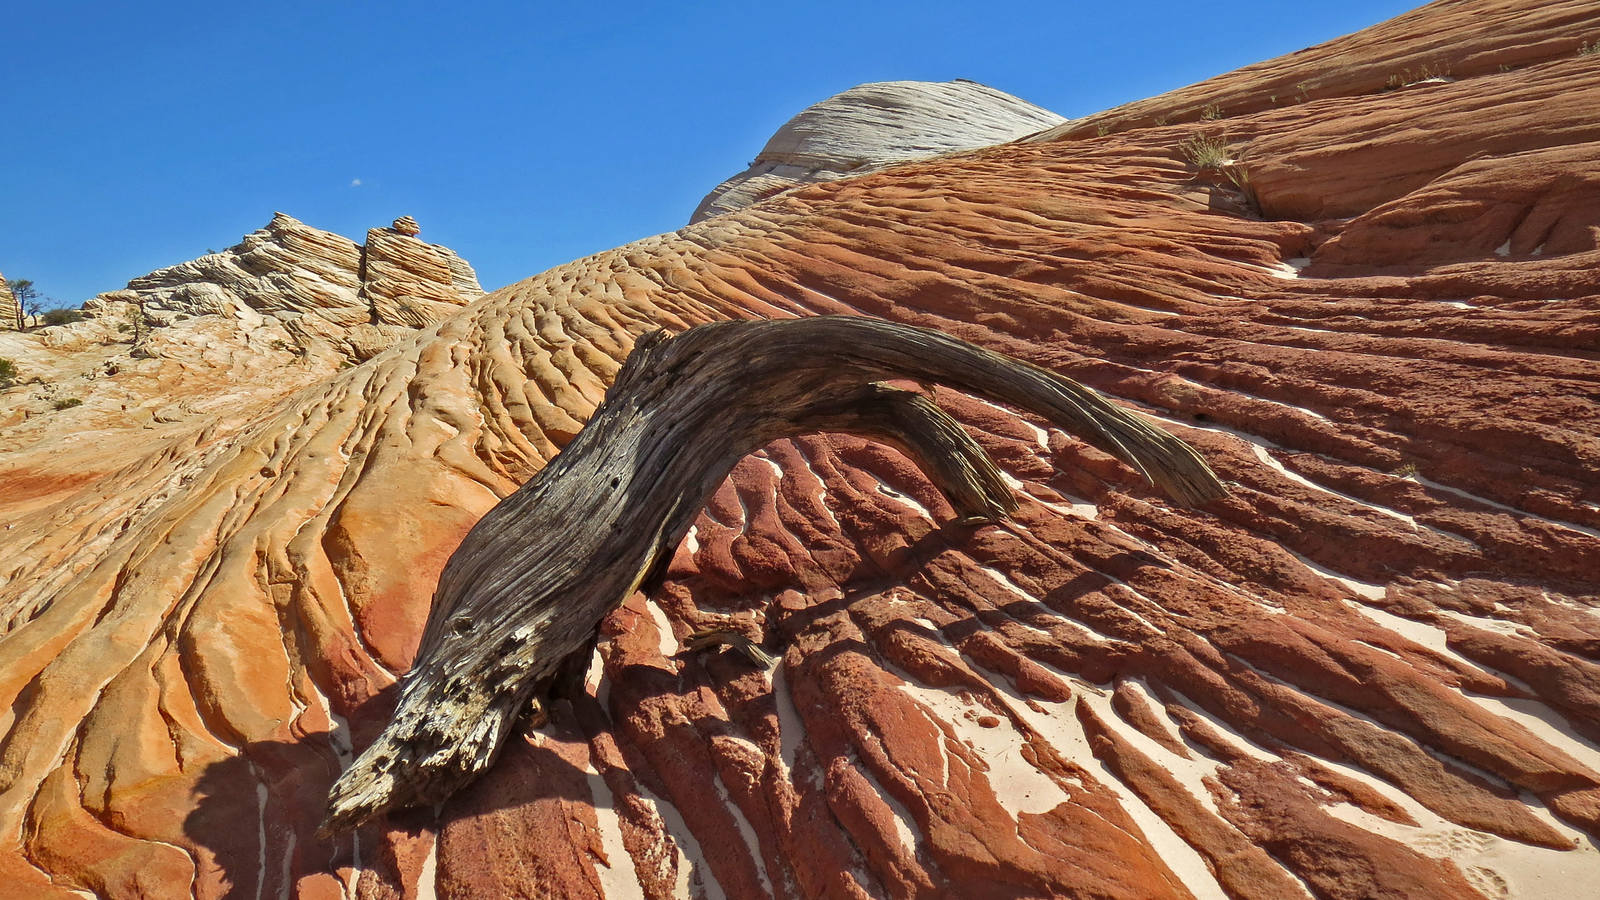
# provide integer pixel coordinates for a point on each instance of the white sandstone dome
(875, 125)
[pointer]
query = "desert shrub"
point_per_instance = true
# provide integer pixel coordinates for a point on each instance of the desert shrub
(1211, 153)
(1211, 112)
(68, 403)
(1589, 48)
(1406, 77)
(8, 373)
(62, 316)
(1204, 151)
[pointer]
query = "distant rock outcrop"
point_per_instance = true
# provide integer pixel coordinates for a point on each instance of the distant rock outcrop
(10, 310)
(182, 342)
(287, 267)
(290, 268)
(876, 125)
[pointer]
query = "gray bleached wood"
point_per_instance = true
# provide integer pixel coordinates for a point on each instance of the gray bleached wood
(527, 589)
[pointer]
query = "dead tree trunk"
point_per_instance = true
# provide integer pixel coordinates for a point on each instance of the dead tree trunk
(529, 585)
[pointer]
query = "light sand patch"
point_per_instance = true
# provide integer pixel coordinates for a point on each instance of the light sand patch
(1059, 726)
(1234, 738)
(822, 498)
(791, 728)
(595, 681)
(1289, 268)
(618, 877)
(1081, 509)
(777, 470)
(1024, 788)
(1498, 867)
(751, 842)
(899, 498)
(1119, 583)
(1040, 436)
(1186, 862)
(428, 878)
(690, 859)
(904, 828)
(668, 641)
(1362, 588)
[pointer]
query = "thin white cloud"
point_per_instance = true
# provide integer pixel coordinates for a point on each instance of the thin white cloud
(355, 182)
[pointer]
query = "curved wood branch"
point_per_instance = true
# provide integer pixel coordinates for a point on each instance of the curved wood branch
(530, 583)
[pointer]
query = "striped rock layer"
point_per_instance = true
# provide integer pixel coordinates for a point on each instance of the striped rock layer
(871, 126)
(10, 309)
(290, 268)
(1373, 671)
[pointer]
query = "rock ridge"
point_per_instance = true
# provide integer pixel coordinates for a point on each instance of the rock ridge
(289, 267)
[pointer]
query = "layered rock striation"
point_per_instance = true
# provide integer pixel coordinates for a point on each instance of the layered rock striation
(188, 344)
(405, 281)
(10, 309)
(1374, 670)
(874, 125)
(291, 268)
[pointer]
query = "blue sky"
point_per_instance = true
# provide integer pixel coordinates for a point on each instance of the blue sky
(521, 135)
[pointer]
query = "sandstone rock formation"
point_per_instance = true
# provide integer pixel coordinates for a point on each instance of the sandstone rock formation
(290, 267)
(875, 125)
(1373, 671)
(407, 282)
(191, 343)
(10, 309)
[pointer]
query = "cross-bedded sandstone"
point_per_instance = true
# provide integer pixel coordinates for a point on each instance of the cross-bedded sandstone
(1373, 669)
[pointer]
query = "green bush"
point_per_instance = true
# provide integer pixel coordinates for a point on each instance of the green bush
(68, 403)
(8, 373)
(62, 316)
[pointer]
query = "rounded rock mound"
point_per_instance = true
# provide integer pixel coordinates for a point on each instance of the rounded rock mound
(875, 125)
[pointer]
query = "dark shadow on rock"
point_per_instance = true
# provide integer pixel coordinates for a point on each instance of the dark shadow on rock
(256, 813)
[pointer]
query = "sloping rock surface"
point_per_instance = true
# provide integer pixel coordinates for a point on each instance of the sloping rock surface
(874, 125)
(1373, 671)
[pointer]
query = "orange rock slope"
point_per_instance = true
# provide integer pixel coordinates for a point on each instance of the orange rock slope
(1373, 671)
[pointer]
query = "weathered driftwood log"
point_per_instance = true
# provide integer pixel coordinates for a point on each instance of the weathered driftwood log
(527, 588)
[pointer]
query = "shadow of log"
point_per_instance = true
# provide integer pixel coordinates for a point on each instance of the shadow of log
(524, 829)
(255, 814)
